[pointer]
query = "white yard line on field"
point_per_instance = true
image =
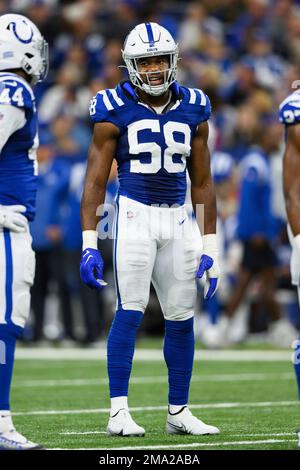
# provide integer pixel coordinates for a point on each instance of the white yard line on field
(265, 404)
(150, 354)
(277, 434)
(83, 433)
(192, 444)
(265, 434)
(155, 379)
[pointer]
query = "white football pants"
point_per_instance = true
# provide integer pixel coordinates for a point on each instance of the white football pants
(295, 261)
(17, 268)
(158, 244)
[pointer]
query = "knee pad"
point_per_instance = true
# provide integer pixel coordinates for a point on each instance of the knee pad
(179, 315)
(180, 302)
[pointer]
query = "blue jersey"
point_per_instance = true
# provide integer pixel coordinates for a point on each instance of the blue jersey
(152, 148)
(18, 166)
(52, 192)
(289, 110)
(71, 220)
(255, 215)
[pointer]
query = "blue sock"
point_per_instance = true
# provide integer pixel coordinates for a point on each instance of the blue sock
(120, 350)
(297, 364)
(7, 353)
(179, 356)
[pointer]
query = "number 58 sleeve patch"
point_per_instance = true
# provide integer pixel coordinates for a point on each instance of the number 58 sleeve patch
(106, 106)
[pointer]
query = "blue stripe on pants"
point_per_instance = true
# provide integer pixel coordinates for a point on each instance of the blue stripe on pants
(8, 275)
(119, 303)
(297, 364)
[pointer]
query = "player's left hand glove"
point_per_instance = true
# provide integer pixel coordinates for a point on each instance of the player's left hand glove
(91, 268)
(12, 218)
(209, 265)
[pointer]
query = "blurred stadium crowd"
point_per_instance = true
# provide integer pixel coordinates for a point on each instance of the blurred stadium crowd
(245, 54)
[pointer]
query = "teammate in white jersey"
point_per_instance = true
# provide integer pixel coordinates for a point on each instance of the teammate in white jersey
(23, 62)
(155, 129)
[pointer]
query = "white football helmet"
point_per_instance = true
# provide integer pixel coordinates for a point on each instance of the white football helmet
(148, 40)
(23, 47)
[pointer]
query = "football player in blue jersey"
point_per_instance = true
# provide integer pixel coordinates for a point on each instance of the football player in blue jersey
(23, 62)
(289, 115)
(155, 129)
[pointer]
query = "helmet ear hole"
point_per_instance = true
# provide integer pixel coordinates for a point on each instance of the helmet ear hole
(27, 68)
(28, 55)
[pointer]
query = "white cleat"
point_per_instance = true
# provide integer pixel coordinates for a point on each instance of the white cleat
(185, 422)
(298, 435)
(213, 334)
(122, 424)
(282, 333)
(12, 440)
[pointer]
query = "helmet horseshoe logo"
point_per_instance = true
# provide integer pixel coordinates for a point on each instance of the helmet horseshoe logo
(13, 27)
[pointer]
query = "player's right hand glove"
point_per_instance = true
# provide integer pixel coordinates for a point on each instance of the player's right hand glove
(209, 265)
(91, 268)
(11, 218)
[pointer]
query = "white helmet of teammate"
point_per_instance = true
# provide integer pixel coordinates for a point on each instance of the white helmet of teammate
(148, 40)
(23, 47)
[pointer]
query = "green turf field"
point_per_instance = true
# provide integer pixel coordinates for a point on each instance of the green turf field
(63, 404)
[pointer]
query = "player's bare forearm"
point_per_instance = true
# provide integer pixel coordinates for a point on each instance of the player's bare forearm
(291, 177)
(204, 196)
(292, 197)
(100, 160)
(202, 188)
(93, 197)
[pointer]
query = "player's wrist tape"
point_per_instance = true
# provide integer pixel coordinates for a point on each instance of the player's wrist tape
(89, 239)
(210, 244)
(296, 242)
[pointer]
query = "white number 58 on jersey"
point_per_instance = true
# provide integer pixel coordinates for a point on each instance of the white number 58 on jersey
(159, 159)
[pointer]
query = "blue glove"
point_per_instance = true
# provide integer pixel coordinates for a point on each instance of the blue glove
(210, 266)
(91, 268)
